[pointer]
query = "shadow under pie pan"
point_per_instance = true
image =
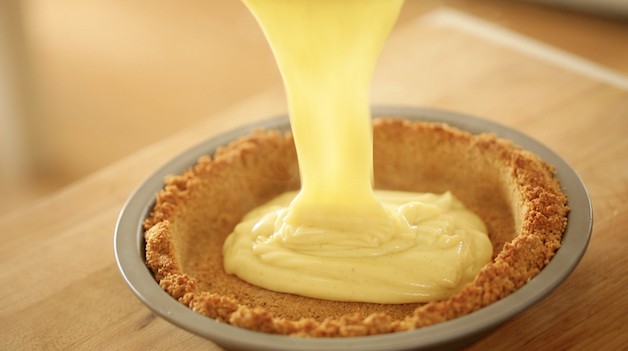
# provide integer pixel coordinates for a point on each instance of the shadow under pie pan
(129, 245)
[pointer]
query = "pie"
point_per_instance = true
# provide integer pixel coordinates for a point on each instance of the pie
(515, 193)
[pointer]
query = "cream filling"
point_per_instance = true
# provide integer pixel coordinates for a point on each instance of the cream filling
(435, 247)
(335, 239)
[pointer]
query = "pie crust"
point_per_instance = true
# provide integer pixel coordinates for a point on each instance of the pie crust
(512, 190)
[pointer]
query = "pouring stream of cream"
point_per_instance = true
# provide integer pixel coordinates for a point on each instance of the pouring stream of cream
(336, 238)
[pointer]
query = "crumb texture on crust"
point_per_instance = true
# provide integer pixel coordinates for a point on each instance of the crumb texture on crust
(512, 190)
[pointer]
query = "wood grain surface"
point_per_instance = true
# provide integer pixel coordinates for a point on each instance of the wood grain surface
(61, 289)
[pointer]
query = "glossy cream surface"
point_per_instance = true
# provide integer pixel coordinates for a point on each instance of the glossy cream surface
(436, 246)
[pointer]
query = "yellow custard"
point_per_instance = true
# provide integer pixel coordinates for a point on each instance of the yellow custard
(336, 238)
(436, 247)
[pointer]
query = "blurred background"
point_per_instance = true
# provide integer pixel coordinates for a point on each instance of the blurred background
(84, 83)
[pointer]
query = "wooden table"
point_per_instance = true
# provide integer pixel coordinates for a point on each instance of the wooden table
(61, 288)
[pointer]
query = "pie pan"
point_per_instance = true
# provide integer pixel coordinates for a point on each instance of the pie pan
(129, 248)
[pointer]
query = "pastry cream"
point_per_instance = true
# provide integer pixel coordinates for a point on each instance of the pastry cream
(336, 239)
(436, 247)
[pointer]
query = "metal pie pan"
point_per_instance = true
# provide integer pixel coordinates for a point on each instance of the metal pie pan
(454, 334)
